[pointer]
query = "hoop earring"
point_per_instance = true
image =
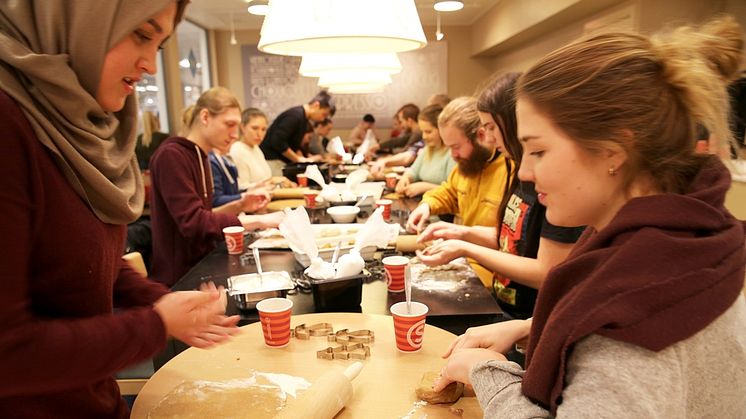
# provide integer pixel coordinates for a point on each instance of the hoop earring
(612, 171)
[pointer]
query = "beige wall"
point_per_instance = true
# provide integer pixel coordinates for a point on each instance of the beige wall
(514, 47)
(464, 71)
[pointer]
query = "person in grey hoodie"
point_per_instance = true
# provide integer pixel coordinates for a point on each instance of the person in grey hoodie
(646, 317)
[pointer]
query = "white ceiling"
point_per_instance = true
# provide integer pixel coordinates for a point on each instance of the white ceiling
(216, 14)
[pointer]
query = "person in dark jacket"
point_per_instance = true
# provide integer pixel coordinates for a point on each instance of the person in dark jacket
(283, 142)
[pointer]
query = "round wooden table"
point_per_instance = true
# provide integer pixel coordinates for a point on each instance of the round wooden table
(384, 388)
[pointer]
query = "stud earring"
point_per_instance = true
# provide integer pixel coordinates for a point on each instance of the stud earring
(612, 171)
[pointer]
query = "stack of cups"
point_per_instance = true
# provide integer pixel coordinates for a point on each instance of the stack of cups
(274, 313)
(234, 239)
(386, 204)
(394, 266)
(409, 326)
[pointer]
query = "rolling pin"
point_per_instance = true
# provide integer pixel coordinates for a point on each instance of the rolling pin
(325, 398)
(408, 243)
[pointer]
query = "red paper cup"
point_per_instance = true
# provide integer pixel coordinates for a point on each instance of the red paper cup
(234, 239)
(409, 327)
(302, 180)
(310, 198)
(394, 266)
(386, 204)
(274, 313)
(391, 180)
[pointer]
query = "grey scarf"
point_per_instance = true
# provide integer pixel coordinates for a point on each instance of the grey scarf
(51, 57)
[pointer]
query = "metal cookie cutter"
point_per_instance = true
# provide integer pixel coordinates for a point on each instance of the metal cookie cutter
(355, 351)
(344, 336)
(305, 332)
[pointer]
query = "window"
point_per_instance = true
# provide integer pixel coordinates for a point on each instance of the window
(194, 68)
(151, 95)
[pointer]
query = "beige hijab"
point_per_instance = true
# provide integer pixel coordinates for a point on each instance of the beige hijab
(51, 56)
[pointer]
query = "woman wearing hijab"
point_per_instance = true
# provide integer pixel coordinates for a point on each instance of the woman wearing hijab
(72, 313)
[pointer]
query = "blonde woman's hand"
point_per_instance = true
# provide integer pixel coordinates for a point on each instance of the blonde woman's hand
(461, 363)
(254, 201)
(497, 337)
(402, 184)
(417, 189)
(196, 317)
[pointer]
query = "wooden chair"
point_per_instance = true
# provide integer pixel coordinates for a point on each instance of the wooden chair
(129, 380)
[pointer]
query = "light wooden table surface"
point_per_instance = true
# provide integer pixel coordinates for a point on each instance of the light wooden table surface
(384, 388)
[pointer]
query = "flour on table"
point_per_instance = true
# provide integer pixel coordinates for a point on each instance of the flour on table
(259, 396)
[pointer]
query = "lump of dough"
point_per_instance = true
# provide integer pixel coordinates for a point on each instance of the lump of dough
(425, 392)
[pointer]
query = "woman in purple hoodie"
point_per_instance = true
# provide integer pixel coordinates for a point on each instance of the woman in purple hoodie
(185, 225)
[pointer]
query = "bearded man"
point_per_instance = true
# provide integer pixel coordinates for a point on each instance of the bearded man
(474, 188)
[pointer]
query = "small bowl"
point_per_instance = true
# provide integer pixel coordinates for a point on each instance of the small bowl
(343, 214)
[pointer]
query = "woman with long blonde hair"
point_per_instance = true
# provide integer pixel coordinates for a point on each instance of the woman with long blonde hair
(434, 162)
(185, 225)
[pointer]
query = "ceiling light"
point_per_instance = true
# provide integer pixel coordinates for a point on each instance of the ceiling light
(316, 65)
(233, 32)
(448, 5)
(438, 33)
(258, 7)
(321, 26)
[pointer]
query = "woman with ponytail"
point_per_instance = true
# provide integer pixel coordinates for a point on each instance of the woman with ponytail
(645, 318)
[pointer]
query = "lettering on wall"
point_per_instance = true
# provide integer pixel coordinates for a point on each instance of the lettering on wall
(272, 84)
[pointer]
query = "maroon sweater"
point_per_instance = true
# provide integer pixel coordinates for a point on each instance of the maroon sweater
(62, 276)
(184, 227)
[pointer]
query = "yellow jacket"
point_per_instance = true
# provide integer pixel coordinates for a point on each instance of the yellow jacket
(474, 201)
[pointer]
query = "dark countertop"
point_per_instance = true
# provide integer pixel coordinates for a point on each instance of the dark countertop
(455, 303)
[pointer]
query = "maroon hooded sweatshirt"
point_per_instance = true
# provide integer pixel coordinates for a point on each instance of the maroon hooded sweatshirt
(664, 268)
(184, 227)
(62, 276)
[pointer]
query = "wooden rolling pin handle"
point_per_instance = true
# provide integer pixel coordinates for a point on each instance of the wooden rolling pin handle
(325, 398)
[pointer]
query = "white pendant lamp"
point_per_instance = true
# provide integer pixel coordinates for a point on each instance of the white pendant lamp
(258, 7)
(299, 27)
(316, 65)
(448, 5)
